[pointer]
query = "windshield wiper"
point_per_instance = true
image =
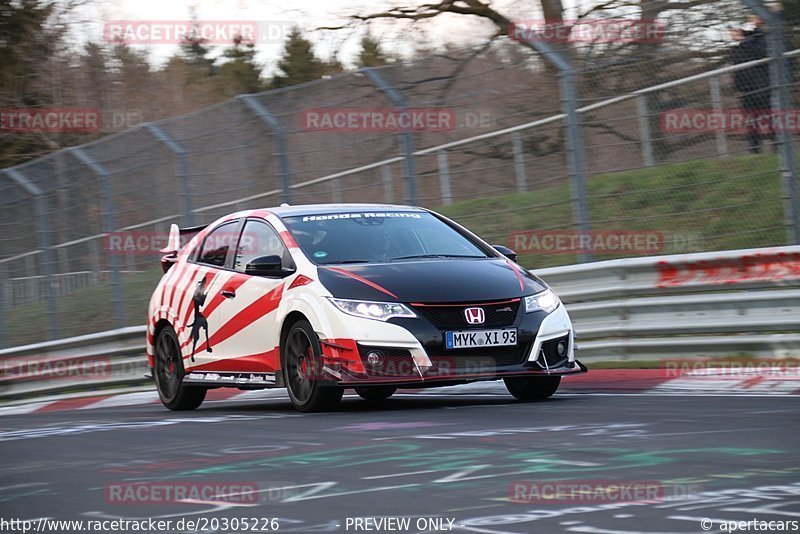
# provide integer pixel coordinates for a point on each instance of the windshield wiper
(423, 256)
(349, 261)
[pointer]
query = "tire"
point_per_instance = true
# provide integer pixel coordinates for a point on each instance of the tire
(301, 361)
(532, 388)
(168, 373)
(375, 393)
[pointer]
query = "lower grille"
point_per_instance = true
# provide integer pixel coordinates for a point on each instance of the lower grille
(477, 361)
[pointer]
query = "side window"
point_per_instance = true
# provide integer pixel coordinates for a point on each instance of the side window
(259, 239)
(217, 244)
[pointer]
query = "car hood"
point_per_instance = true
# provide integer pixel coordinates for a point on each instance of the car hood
(435, 281)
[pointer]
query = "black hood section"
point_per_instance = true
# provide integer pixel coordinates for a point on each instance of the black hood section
(432, 281)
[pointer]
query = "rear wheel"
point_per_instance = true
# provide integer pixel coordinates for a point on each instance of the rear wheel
(376, 393)
(169, 373)
(532, 388)
(301, 361)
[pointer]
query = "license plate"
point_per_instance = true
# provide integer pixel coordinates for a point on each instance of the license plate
(480, 338)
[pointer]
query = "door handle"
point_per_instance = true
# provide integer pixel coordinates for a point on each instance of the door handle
(228, 294)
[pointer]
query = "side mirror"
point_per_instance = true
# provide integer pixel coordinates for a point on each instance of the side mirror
(505, 251)
(266, 266)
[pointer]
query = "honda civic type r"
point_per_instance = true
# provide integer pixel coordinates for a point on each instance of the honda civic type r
(320, 298)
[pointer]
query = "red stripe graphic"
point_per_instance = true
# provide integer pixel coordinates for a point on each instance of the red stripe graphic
(288, 240)
(259, 213)
(176, 283)
(186, 309)
(362, 280)
(252, 313)
(264, 362)
(167, 280)
(232, 284)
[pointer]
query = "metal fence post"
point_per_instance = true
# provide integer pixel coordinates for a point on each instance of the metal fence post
(575, 144)
(716, 105)
(109, 225)
(575, 156)
(43, 242)
(31, 291)
(281, 143)
(336, 190)
(780, 81)
(519, 162)
(444, 177)
(388, 184)
(3, 307)
(406, 138)
(94, 260)
(644, 130)
(63, 260)
(181, 169)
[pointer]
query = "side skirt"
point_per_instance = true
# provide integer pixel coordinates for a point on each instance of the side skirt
(237, 380)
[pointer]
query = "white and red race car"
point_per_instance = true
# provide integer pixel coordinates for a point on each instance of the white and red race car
(320, 298)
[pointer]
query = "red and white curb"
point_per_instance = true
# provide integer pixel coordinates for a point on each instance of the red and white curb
(601, 381)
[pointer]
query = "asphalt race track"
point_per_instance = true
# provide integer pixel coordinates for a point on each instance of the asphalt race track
(462, 463)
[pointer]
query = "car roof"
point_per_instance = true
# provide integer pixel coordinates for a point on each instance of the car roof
(328, 209)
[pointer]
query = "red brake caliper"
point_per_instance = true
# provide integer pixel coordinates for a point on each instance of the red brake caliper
(304, 363)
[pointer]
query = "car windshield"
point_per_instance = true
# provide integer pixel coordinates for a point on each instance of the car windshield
(378, 237)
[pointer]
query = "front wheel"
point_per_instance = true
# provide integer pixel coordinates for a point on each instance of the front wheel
(532, 388)
(375, 393)
(168, 372)
(301, 360)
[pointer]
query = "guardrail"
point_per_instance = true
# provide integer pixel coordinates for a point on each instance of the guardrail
(689, 305)
(664, 307)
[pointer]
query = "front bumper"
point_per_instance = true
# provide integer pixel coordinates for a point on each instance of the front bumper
(435, 380)
(415, 355)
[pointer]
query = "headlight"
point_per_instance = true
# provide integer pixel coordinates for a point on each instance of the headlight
(546, 301)
(380, 311)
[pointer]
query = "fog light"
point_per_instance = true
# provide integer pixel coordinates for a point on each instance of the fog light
(375, 358)
(562, 348)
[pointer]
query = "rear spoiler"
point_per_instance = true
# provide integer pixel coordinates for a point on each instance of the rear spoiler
(174, 244)
(174, 239)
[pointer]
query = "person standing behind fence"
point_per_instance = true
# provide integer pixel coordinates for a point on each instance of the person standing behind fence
(752, 83)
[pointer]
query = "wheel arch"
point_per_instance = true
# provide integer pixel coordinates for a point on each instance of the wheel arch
(288, 321)
(160, 325)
